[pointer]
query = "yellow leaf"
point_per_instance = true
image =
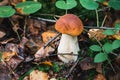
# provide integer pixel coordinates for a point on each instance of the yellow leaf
(105, 3)
(6, 56)
(46, 36)
(100, 77)
(116, 37)
(46, 63)
(23, 0)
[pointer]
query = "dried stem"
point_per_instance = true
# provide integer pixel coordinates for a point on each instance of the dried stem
(97, 17)
(103, 21)
(72, 68)
(51, 40)
(87, 27)
(15, 30)
(24, 32)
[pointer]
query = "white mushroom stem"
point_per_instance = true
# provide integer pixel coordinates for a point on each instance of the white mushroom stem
(68, 44)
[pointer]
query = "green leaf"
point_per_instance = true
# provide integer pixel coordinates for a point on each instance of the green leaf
(89, 4)
(43, 67)
(95, 48)
(114, 4)
(68, 4)
(6, 11)
(107, 47)
(117, 26)
(100, 57)
(116, 44)
(109, 32)
(56, 67)
(29, 7)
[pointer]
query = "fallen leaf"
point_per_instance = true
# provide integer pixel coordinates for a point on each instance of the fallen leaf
(38, 75)
(99, 67)
(100, 77)
(23, 42)
(1, 19)
(96, 33)
(6, 56)
(46, 36)
(35, 26)
(53, 79)
(11, 47)
(87, 63)
(2, 34)
(105, 3)
(6, 41)
(118, 60)
(4, 2)
(14, 62)
(43, 52)
(46, 63)
(116, 36)
(4, 72)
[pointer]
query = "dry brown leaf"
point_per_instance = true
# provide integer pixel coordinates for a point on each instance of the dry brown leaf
(6, 41)
(99, 67)
(23, 42)
(96, 33)
(4, 2)
(46, 36)
(35, 26)
(43, 52)
(2, 34)
(1, 19)
(38, 75)
(11, 47)
(100, 77)
(6, 56)
(14, 62)
(14, 2)
(118, 60)
(5, 73)
(87, 63)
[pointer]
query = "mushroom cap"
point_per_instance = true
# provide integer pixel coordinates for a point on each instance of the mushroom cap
(69, 24)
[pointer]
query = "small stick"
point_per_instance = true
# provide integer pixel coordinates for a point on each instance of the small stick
(72, 68)
(87, 27)
(51, 40)
(63, 54)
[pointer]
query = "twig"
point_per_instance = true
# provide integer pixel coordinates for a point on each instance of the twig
(72, 68)
(7, 65)
(64, 54)
(114, 54)
(51, 40)
(43, 19)
(97, 17)
(103, 21)
(24, 32)
(87, 27)
(50, 15)
(15, 30)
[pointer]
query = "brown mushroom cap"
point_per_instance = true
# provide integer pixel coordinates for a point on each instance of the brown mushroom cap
(69, 24)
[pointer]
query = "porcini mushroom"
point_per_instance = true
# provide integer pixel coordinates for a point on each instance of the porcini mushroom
(70, 26)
